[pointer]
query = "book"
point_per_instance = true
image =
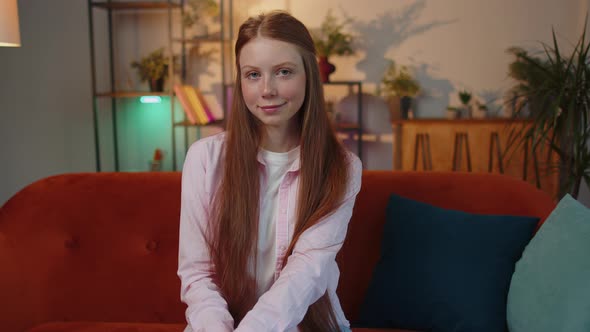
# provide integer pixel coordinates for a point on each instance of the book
(206, 107)
(196, 104)
(212, 106)
(185, 103)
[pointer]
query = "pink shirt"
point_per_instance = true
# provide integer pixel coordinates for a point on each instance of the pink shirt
(310, 271)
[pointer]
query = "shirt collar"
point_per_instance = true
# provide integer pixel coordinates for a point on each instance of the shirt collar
(294, 166)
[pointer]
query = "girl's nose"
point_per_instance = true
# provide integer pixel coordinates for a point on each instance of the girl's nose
(269, 88)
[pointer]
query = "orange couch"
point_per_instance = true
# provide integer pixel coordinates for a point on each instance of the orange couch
(98, 251)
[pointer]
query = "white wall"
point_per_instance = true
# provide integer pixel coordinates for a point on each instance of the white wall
(46, 104)
(45, 96)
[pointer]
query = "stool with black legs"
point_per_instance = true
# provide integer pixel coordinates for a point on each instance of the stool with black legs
(422, 144)
(461, 141)
(495, 140)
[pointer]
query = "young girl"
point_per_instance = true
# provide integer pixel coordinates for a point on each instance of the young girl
(266, 204)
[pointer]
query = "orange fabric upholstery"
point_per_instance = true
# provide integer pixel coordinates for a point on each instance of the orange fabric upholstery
(82, 252)
(471, 192)
(137, 327)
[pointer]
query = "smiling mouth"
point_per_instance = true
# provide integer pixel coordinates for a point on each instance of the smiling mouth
(272, 108)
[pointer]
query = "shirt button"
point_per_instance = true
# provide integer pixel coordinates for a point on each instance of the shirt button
(282, 248)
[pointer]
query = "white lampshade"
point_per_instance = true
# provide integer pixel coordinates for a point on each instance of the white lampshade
(9, 33)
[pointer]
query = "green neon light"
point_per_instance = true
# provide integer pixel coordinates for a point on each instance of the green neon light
(150, 100)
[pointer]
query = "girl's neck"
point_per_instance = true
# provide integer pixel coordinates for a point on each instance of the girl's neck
(280, 140)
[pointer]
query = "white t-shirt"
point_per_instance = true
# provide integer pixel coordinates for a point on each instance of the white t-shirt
(277, 164)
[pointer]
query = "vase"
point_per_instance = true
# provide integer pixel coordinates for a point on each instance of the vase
(326, 68)
(405, 106)
(157, 85)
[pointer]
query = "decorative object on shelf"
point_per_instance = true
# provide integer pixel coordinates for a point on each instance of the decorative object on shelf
(332, 111)
(480, 111)
(555, 91)
(453, 112)
(465, 98)
(470, 108)
(326, 68)
(399, 88)
(153, 69)
(330, 39)
(195, 15)
(156, 162)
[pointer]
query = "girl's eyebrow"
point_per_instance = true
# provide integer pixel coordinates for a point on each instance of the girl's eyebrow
(248, 67)
(282, 64)
(286, 63)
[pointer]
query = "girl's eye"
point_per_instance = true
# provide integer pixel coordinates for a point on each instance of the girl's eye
(252, 75)
(284, 72)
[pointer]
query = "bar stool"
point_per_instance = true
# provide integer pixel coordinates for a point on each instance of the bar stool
(495, 140)
(528, 141)
(461, 140)
(422, 144)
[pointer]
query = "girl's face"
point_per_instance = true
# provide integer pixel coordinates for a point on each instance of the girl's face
(273, 82)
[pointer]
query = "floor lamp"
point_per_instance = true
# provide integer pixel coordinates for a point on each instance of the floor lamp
(9, 32)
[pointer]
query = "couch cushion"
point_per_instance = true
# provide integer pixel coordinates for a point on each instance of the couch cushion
(550, 289)
(480, 193)
(104, 327)
(444, 270)
(138, 327)
(379, 330)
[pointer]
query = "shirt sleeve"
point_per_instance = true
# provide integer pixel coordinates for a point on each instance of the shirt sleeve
(306, 276)
(207, 310)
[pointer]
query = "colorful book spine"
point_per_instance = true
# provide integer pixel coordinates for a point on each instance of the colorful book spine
(213, 105)
(205, 104)
(196, 104)
(185, 103)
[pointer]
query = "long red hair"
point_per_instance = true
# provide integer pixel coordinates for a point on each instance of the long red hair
(233, 231)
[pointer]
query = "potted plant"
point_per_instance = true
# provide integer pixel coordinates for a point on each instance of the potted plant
(196, 12)
(453, 112)
(400, 87)
(554, 91)
(153, 69)
(465, 98)
(329, 40)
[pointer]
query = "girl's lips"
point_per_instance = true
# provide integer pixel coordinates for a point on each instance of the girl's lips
(271, 108)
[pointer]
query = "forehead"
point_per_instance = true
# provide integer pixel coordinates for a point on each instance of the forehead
(267, 52)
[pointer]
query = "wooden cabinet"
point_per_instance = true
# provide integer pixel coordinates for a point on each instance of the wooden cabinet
(446, 145)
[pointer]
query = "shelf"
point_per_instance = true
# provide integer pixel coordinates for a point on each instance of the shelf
(131, 94)
(216, 123)
(342, 83)
(214, 38)
(344, 126)
(136, 5)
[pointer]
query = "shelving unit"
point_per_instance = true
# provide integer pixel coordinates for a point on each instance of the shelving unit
(173, 41)
(353, 128)
(112, 93)
(222, 39)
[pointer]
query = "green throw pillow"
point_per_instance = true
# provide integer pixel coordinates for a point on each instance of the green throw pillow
(550, 288)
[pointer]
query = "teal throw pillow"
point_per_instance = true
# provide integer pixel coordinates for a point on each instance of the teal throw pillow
(443, 270)
(550, 289)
